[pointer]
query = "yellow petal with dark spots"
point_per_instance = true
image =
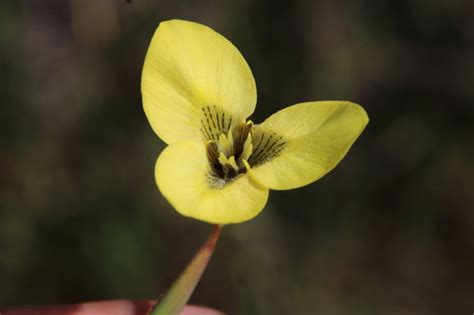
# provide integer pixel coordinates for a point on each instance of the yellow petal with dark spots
(195, 83)
(311, 139)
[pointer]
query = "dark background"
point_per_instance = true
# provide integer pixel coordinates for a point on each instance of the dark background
(389, 231)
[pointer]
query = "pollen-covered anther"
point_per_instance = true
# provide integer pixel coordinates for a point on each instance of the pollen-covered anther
(228, 156)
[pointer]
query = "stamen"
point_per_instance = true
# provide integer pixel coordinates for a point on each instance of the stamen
(233, 151)
(232, 163)
(226, 153)
(247, 165)
(247, 151)
(241, 133)
(223, 159)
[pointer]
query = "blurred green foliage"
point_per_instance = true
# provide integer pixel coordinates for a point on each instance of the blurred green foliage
(389, 231)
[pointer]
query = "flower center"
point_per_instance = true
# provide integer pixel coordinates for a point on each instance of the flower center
(233, 148)
(228, 156)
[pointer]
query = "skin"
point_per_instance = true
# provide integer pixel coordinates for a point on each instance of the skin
(117, 307)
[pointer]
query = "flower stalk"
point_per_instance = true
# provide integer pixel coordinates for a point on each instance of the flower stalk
(179, 293)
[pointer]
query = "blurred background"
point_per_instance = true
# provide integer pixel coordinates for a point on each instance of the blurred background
(389, 231)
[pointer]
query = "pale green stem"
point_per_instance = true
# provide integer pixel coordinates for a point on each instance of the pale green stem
(178, 295)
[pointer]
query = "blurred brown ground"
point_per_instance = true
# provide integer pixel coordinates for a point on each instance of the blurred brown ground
(389, 231)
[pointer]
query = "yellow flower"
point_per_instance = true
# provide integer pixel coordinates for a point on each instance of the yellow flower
(198, 92)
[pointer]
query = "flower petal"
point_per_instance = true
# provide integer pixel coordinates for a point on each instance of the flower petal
(313, 137)
(191, 71)
(182, 174)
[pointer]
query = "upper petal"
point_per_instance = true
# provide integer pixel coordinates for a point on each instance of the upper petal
(193, 76)
(311, 139)
(183, 177)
